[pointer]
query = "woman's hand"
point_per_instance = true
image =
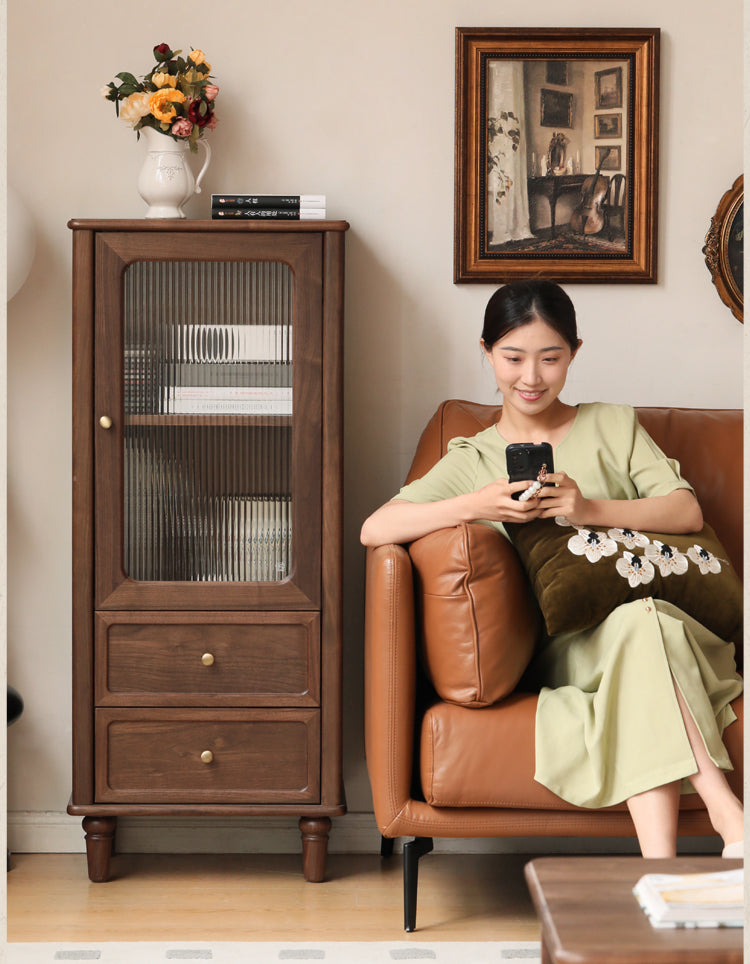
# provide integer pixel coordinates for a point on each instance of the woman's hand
(495, 503)
(563, 499)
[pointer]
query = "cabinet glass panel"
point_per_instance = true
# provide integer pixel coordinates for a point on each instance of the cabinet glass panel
(207, 376)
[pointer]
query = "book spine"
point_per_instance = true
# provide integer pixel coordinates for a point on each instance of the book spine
(301, 214)
(228, 392)
(233, 373)
(293, 201)
(233, 343)
(210, 406)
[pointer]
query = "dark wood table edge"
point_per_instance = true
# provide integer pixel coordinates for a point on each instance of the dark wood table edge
(554, 952)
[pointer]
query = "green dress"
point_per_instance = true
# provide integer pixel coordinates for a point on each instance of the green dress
(608, 724)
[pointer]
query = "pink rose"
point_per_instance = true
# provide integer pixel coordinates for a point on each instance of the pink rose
(182, 127)
(210, 91)
(212, 122)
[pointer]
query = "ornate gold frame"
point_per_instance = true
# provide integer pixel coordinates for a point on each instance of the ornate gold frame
(473, 259)
(721, 245)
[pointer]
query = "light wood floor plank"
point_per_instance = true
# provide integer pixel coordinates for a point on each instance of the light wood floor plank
(260, 897)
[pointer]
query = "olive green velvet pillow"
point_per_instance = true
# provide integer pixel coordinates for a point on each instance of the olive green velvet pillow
(580, 575)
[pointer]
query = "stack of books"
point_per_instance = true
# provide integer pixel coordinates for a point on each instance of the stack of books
(693, 900)
(228, 369)
(296, 207)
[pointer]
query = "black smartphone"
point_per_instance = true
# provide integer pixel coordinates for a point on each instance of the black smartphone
(524, 460)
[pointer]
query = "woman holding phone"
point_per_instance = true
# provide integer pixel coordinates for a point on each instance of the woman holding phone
(635, 706)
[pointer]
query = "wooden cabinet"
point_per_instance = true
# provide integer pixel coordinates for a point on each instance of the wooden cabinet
(207, 502)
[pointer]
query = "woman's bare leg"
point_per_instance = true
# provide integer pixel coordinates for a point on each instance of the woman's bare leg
(655, 814)
(710, 783)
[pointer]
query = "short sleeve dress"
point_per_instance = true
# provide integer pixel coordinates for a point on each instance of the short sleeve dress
(608, 724)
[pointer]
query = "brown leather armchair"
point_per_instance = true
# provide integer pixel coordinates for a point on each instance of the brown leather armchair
(439, 769)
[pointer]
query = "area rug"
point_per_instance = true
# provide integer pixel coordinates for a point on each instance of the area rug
(387, 952)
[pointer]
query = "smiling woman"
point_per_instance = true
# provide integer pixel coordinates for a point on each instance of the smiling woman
(605, 686)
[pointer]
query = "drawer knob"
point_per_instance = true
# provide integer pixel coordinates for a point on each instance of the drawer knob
(105, 421)
(207, 659)
(207, 756)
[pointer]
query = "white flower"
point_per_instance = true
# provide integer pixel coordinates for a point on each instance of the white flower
(629, 538)
(668, 558)
(592, 544)
(562, 521)
(705, 560)
(637, 570)
(134, 108)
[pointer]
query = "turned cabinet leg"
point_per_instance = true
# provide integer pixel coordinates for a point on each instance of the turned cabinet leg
(100, 838)
(314, 832)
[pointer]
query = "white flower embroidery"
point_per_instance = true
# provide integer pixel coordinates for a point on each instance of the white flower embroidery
(668, 558)
(705, 560)
(629, 538)
(562, 521)
(637, 570)
(592, 544)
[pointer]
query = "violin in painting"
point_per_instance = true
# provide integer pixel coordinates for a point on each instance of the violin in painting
(588, 216)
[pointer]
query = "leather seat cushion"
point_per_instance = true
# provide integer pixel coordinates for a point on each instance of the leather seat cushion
(485, 757)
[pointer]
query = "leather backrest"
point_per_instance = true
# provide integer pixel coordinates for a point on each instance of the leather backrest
(706, 442)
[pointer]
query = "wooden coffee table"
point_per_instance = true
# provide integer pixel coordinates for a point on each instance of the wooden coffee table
(589, 914)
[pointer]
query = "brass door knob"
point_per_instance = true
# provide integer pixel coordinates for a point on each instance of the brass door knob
(105, 421)
(207, 659)
(207, 756)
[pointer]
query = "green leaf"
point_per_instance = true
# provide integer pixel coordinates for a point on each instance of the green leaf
(127, 77)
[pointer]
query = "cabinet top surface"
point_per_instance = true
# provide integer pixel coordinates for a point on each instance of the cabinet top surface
(190, 224)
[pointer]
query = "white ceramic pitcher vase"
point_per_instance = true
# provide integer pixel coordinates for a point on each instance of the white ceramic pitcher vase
(166, 181)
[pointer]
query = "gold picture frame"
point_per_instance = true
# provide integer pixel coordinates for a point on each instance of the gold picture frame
(724, 248)
(502, 152)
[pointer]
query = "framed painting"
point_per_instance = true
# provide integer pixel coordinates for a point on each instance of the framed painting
(535, 189)
(724, 248)
(607, 125)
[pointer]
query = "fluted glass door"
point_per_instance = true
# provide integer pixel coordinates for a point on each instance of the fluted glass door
(208, 395)
(211, 474)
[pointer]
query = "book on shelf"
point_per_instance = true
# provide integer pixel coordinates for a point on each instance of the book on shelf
(693, 900)
(270, 214)
(232, 343)
(227, 406)
(226, 374)
(231, 538)
(291, 201)
(267, 539)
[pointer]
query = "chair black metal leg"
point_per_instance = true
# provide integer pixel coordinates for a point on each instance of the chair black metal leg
(413, 850)
(386, 846)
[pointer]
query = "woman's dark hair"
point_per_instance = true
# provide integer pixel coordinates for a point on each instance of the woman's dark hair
(520, 302)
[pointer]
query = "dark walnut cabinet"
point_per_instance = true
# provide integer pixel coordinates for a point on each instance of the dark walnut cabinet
(207, 508)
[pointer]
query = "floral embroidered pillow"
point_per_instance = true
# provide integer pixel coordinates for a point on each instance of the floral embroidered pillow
(579, 575)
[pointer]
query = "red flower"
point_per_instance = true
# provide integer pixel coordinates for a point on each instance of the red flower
(199, 112)
(162, 52)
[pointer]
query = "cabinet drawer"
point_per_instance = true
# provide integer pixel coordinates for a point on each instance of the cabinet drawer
(207, 756)
(197, 659)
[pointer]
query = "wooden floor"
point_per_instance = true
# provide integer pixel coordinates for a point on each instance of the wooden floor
(261, 897)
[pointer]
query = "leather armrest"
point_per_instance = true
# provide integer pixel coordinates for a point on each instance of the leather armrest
(390, 680)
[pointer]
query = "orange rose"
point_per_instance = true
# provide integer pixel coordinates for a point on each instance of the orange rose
(161, 103)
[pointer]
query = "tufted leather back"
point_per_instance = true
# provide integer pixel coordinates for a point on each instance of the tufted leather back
(706, 442)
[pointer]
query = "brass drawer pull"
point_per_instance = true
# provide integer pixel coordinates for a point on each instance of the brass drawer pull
(207, 756)
(105, 421)
(207, 659)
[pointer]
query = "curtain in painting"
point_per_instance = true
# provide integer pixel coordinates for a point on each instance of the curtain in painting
(507, 193)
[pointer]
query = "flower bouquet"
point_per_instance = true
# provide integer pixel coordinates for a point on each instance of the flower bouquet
(176, 98)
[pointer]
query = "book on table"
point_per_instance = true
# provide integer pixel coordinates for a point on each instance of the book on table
(693, 900)
(301, 207)
(292, 201)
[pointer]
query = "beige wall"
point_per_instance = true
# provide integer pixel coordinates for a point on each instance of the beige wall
(354, 100)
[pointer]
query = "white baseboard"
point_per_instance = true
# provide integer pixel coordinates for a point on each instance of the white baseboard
(354, 833)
